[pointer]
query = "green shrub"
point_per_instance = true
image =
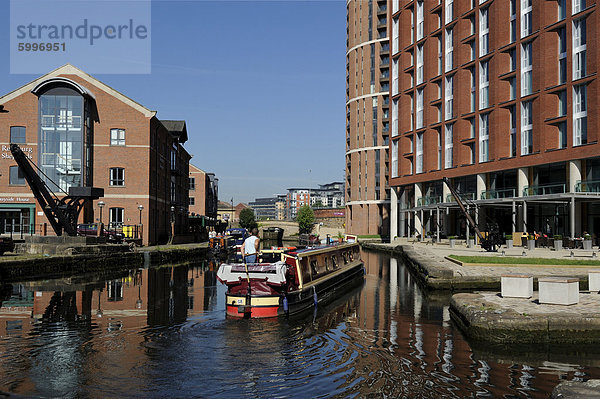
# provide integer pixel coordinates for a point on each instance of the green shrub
(508, 236)
(557, 237)
(452, 237)
(587, 237)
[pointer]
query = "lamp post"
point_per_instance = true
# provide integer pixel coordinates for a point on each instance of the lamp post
(141, 208)
(232, 212)
(172, 224)
(101, 205)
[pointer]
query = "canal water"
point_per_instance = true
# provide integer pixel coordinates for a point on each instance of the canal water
(162, 332)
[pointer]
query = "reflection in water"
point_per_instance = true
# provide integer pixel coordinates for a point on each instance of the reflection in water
(163, 332)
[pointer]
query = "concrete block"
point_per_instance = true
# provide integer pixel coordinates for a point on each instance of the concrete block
(559, 290)
(516, 286)
(594, 280)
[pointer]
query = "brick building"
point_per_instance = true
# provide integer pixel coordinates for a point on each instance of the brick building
(367, 117)
(204, 193)
(81, 132)
(495, 96)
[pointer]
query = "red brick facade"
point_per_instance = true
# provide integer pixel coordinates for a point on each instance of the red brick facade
(154, 161)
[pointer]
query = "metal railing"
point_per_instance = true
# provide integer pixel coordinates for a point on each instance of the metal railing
(429, 200)
(495, 194)
(464, 197)
(544, 189)
(587, 186)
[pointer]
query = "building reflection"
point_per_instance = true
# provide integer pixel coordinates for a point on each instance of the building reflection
(59, 322)
(394, 313)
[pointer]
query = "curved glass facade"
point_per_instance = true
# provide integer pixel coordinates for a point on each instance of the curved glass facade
(60, 139)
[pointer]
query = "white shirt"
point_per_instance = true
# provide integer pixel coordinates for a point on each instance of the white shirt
(249, 245)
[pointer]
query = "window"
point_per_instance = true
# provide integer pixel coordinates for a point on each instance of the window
(16, 177)
(578, 5)
(395, 6)
(449, 50)
(17, 134)
(484, 85)
(395, 36)
(192, 183)
(117, 176)
(562, 55)
(512, 53)
(412, 112)
(562, 135)
(562, 103)
(526, 128)
(440, 56)
(448, 146)
(395, 75)
(579, 49)
(562, 9)
(513, 21)
(420, 64)
(473, 89)
(484, 138)
(420, 20)
(419, 108)
(513, 131)
(419, 153)
(439, 143)
(412, 28)
(394, 158)
(513, 88)
(116, 216)
(579, 115)
(449, 10)
(484, 32)
(526, 70)
(192, 201)
(526, 17)
(394, 118)
(449, 98)
(117, 136)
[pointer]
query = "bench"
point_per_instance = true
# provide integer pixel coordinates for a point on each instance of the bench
(594, 280)
(516, 286)
(559, 290)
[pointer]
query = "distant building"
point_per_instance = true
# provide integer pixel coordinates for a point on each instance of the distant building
(296, 199)
(280, 207)
(204, 193)
(264, 208)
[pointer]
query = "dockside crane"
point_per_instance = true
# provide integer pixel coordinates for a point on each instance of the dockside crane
(62, 213)
(489, 243)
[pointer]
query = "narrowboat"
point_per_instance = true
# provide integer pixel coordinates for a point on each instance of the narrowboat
(237, 236)
(303, 279)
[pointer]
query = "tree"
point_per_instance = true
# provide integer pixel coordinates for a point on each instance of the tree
(318, 204)
(305, 219)
(247, 220)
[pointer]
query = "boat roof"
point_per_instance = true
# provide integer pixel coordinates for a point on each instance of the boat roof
(321, 247)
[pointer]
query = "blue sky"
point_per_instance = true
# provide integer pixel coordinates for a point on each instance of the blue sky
(260, 84)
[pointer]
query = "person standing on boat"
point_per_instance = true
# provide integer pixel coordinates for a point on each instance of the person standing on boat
(250, 247)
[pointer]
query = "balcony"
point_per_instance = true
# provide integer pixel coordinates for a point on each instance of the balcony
(464, 197)
(429, 200)
(496, 194)
(588, 186)
(544, 189)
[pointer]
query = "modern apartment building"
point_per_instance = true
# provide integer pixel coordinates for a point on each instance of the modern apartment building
(495, 96)
(367, 117)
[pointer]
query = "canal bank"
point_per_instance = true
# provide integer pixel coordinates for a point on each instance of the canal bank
(433, 268)
(30, 267)
(487, 316)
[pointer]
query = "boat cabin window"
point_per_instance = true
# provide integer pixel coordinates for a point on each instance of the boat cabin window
(345, 257)
(313, 267)
(334, 261)
(326, 263)
(351, 255)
